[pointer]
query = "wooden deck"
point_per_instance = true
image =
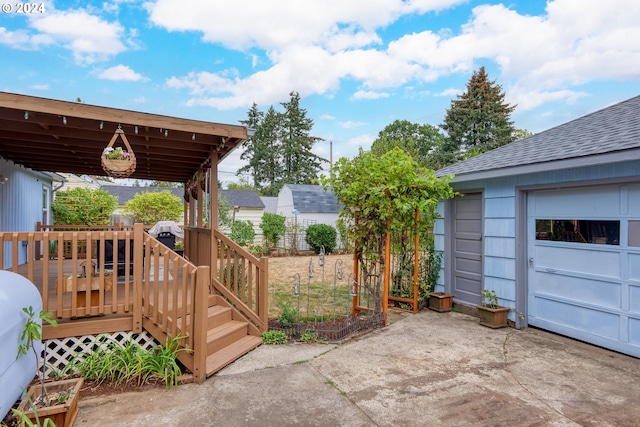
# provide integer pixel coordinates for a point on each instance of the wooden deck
(163, 293)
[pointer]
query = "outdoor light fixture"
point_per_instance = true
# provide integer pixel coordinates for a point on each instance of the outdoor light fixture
(64, 120)
(3, 179)
(26, 115)
(135, 129)
(101, 125)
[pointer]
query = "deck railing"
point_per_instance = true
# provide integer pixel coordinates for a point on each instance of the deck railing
(148, 286)
(243, 280)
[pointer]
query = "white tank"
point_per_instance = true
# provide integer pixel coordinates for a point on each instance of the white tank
(16, 292)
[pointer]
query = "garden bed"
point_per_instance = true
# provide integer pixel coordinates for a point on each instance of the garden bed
(331, 330)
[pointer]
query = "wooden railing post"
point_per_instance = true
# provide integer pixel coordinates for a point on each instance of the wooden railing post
(199, 324)
(138, 257)
(263, 296)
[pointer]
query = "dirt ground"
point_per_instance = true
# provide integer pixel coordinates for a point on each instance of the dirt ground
(282, 269)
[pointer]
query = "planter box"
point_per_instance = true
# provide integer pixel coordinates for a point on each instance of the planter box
(493, 317)
(62, 415)
(441, 302)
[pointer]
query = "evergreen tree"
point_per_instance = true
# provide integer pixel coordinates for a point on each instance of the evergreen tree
(478, 121)
(279, 152)
(300, 165)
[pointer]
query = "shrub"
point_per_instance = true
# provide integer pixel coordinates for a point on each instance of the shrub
(319, 235)
(82, 206)
(151, 207)
(242, 232)
(274, 337)
(273, 227)
(288, 314)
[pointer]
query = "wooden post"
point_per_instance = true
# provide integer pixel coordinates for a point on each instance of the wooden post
(201, 307)
(416, 263)
(356, 268)
(263, 294)
(213, 211)
(37, 249)
(387, 272)
(138, 260)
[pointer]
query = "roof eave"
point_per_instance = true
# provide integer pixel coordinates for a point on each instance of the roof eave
(600, 159)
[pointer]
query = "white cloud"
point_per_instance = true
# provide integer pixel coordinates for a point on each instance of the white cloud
(327, 117)
(121, 72)
(368, 94)
(87, 36)
(314, 46)
(40, 87)
(351, 124)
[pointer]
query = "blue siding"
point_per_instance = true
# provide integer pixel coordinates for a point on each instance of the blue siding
(20, 203)
(500, 221)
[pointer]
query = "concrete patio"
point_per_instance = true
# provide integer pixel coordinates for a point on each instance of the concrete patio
(424, 369)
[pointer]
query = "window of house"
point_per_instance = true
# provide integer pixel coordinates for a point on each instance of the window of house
(579, 231)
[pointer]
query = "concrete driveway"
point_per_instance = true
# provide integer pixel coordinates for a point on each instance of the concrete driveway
(428, 369)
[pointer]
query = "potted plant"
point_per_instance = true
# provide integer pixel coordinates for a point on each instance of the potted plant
(491, 314)
(441, 302)
(56, 400)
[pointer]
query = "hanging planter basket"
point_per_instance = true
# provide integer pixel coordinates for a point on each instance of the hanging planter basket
(125, 164)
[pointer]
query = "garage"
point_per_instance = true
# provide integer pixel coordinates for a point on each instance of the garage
(551, 223)
(584, 264)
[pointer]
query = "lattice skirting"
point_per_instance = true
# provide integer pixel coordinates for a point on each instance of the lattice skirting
(61, 351)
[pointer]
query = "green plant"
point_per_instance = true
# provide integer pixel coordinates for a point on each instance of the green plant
(489, 298)
(31, 332)
(114, 363)
(273, 228)
(319, 235)
(116, 153)
(242, 232)
(26, 421)
(311, 336)
(288, 314)
(82, 206)
(151, 207)
(274, 337)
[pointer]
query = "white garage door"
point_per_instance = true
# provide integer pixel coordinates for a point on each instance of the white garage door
(584, 264)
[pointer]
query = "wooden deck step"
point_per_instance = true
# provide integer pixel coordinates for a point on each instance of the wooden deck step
(226, 334)
(230, 353)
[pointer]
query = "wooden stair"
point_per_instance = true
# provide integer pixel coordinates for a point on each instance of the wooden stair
(230, 336)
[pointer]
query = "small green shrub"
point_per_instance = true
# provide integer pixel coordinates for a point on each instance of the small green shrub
(274, 338)
(114, 363)
(319, 235)
(242, 232)
(311, 336)
(273, 228)
(489, 298)
(288, 314)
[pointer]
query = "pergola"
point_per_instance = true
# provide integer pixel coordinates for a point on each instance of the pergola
(59, 136)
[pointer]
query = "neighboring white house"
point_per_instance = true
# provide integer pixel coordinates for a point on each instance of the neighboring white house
(246, 205)
(306, 205)
(72, 181)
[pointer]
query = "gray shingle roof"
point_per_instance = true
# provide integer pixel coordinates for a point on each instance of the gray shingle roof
(270, 204)
(612, 129)
(125, 193)
(242, 198)
(313, 199)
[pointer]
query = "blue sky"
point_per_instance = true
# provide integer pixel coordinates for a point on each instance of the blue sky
(357, 64)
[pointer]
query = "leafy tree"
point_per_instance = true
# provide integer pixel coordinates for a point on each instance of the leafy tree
(379, 189)
(164, 184)
(83, 206)
(478, 121)
(151, 207)
(519, 134)
(242, 184)
(319, 235)
(273, 228)
(419, 141)
(300, 165)
(242, 232)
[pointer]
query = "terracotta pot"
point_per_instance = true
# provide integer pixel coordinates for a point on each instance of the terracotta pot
(441, 302)
(493, 317)
(63, 414)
